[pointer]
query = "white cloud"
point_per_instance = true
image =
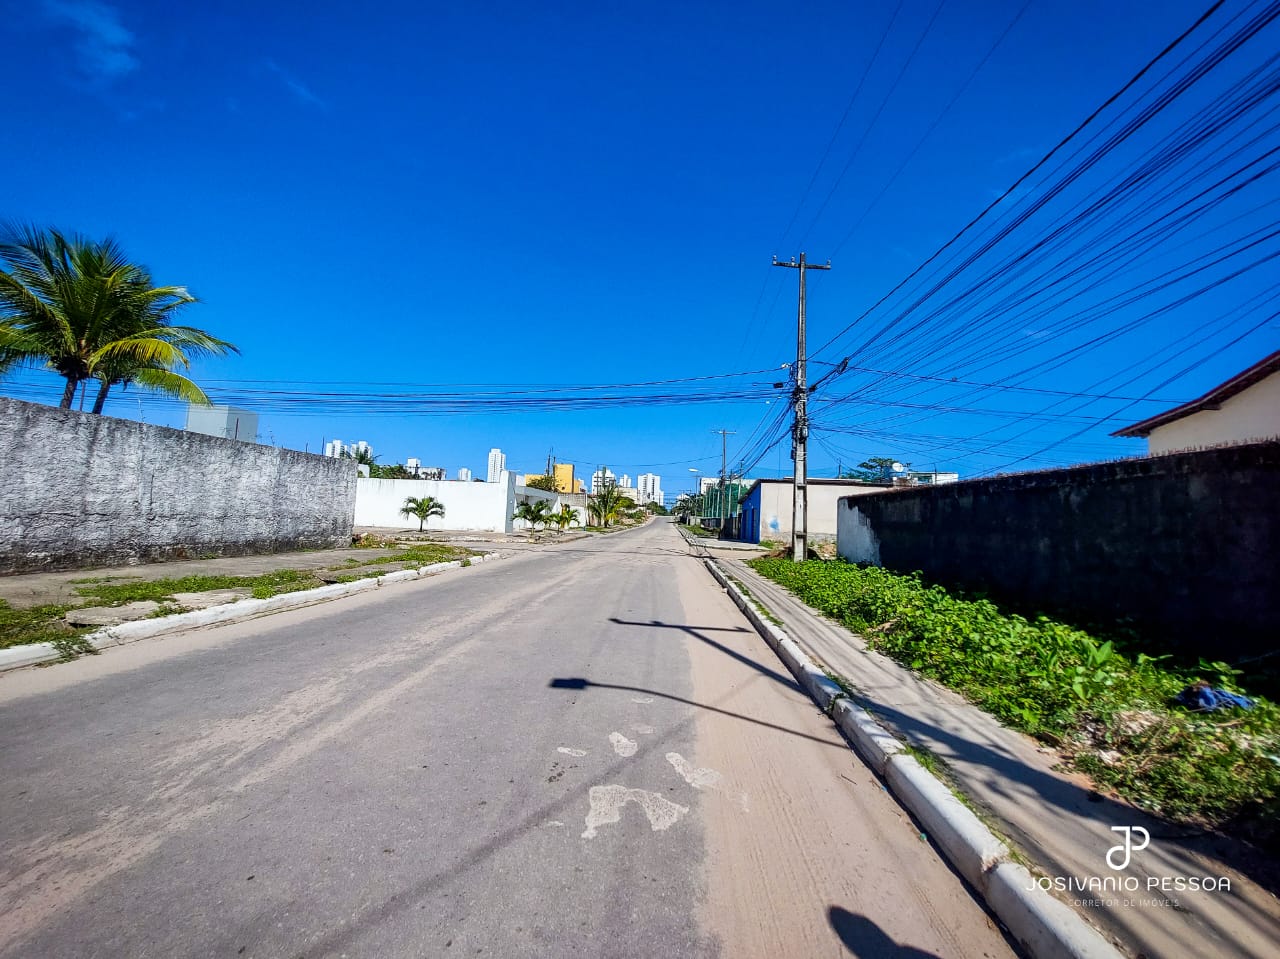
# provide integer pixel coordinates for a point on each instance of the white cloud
(104, 45)
(296, 86)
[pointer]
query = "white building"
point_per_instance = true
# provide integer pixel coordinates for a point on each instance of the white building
(1244, 409)
(767, 508)
(497, 465)
(625, 482)
(600, 477)
(227, 422)
(336, 448)
(649, 487)
(413, 464)
(464, 475)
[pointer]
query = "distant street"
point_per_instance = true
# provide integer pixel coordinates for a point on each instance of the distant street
(580, 751)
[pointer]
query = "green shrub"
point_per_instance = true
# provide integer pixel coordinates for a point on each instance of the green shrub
(1110, 715)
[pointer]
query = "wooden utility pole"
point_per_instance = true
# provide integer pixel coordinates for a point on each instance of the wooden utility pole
(800, 430)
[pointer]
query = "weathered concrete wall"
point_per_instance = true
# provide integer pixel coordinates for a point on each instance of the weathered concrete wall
(81, 491)
(1186, 545)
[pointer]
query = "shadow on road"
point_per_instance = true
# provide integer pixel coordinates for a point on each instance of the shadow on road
(580, 683)
(864, 939)
(694, 631)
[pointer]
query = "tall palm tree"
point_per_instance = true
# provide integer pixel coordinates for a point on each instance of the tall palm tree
(424, 509)
(80, 308)
(606, 504)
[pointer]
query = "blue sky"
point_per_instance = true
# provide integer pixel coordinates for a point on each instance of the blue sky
(441, 195)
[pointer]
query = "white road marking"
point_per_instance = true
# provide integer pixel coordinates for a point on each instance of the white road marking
(642, 729)
(571, 752)
(607, 803)
(642, 700)
(622, 745)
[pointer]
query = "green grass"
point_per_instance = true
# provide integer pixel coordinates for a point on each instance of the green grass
(162, 590)
(424, 554)
(44, 624)
(37, 624)
(1109, 714)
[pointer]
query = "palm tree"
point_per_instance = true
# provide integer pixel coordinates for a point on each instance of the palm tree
(565, 518)
(607, 504)
(80, 308)
(424, 509)
(538, 511)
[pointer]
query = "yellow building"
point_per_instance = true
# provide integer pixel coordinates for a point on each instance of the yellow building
(564, 481)
(564, 478)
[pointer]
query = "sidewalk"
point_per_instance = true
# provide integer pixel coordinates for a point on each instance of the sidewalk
(1055, 820)
(23, 590)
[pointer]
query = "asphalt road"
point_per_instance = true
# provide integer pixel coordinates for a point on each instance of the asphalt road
(577, 751)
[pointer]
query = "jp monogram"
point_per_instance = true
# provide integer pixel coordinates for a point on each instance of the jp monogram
(1127, 847)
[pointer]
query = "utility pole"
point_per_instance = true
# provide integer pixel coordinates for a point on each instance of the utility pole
(800, 431)
(724, 441)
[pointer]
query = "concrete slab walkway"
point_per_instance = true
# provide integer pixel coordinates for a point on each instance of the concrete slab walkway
(1063, 827)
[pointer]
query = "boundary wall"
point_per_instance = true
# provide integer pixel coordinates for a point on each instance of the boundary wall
(1184, 545)
(81, 491)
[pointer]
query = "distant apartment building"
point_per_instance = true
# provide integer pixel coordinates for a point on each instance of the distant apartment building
(413, 464)
(464, 475)
(336, 448)
(649, 486)
(497, 465)
(227, 422)
(600, 477)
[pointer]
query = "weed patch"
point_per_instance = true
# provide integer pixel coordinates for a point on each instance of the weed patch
(37, 624)
(1110, 715)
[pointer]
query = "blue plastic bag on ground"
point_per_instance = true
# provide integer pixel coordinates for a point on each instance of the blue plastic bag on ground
(1204, 698)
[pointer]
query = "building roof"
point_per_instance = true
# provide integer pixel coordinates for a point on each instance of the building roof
(1212, 400)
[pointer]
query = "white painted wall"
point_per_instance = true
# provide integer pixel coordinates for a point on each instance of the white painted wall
(856, 541)
(467, 506)
(776, 509)
(474, 507)
(1248, 416)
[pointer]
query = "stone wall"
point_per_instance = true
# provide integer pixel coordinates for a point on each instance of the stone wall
(82, 491)
(1186, 545)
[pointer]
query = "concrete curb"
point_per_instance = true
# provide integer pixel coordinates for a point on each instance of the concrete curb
(1045, 927)
(30, 655)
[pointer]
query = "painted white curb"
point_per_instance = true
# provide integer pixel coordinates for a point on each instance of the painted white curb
(18, 656)
(970, 846)
(875, 744)
(1046, 928)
